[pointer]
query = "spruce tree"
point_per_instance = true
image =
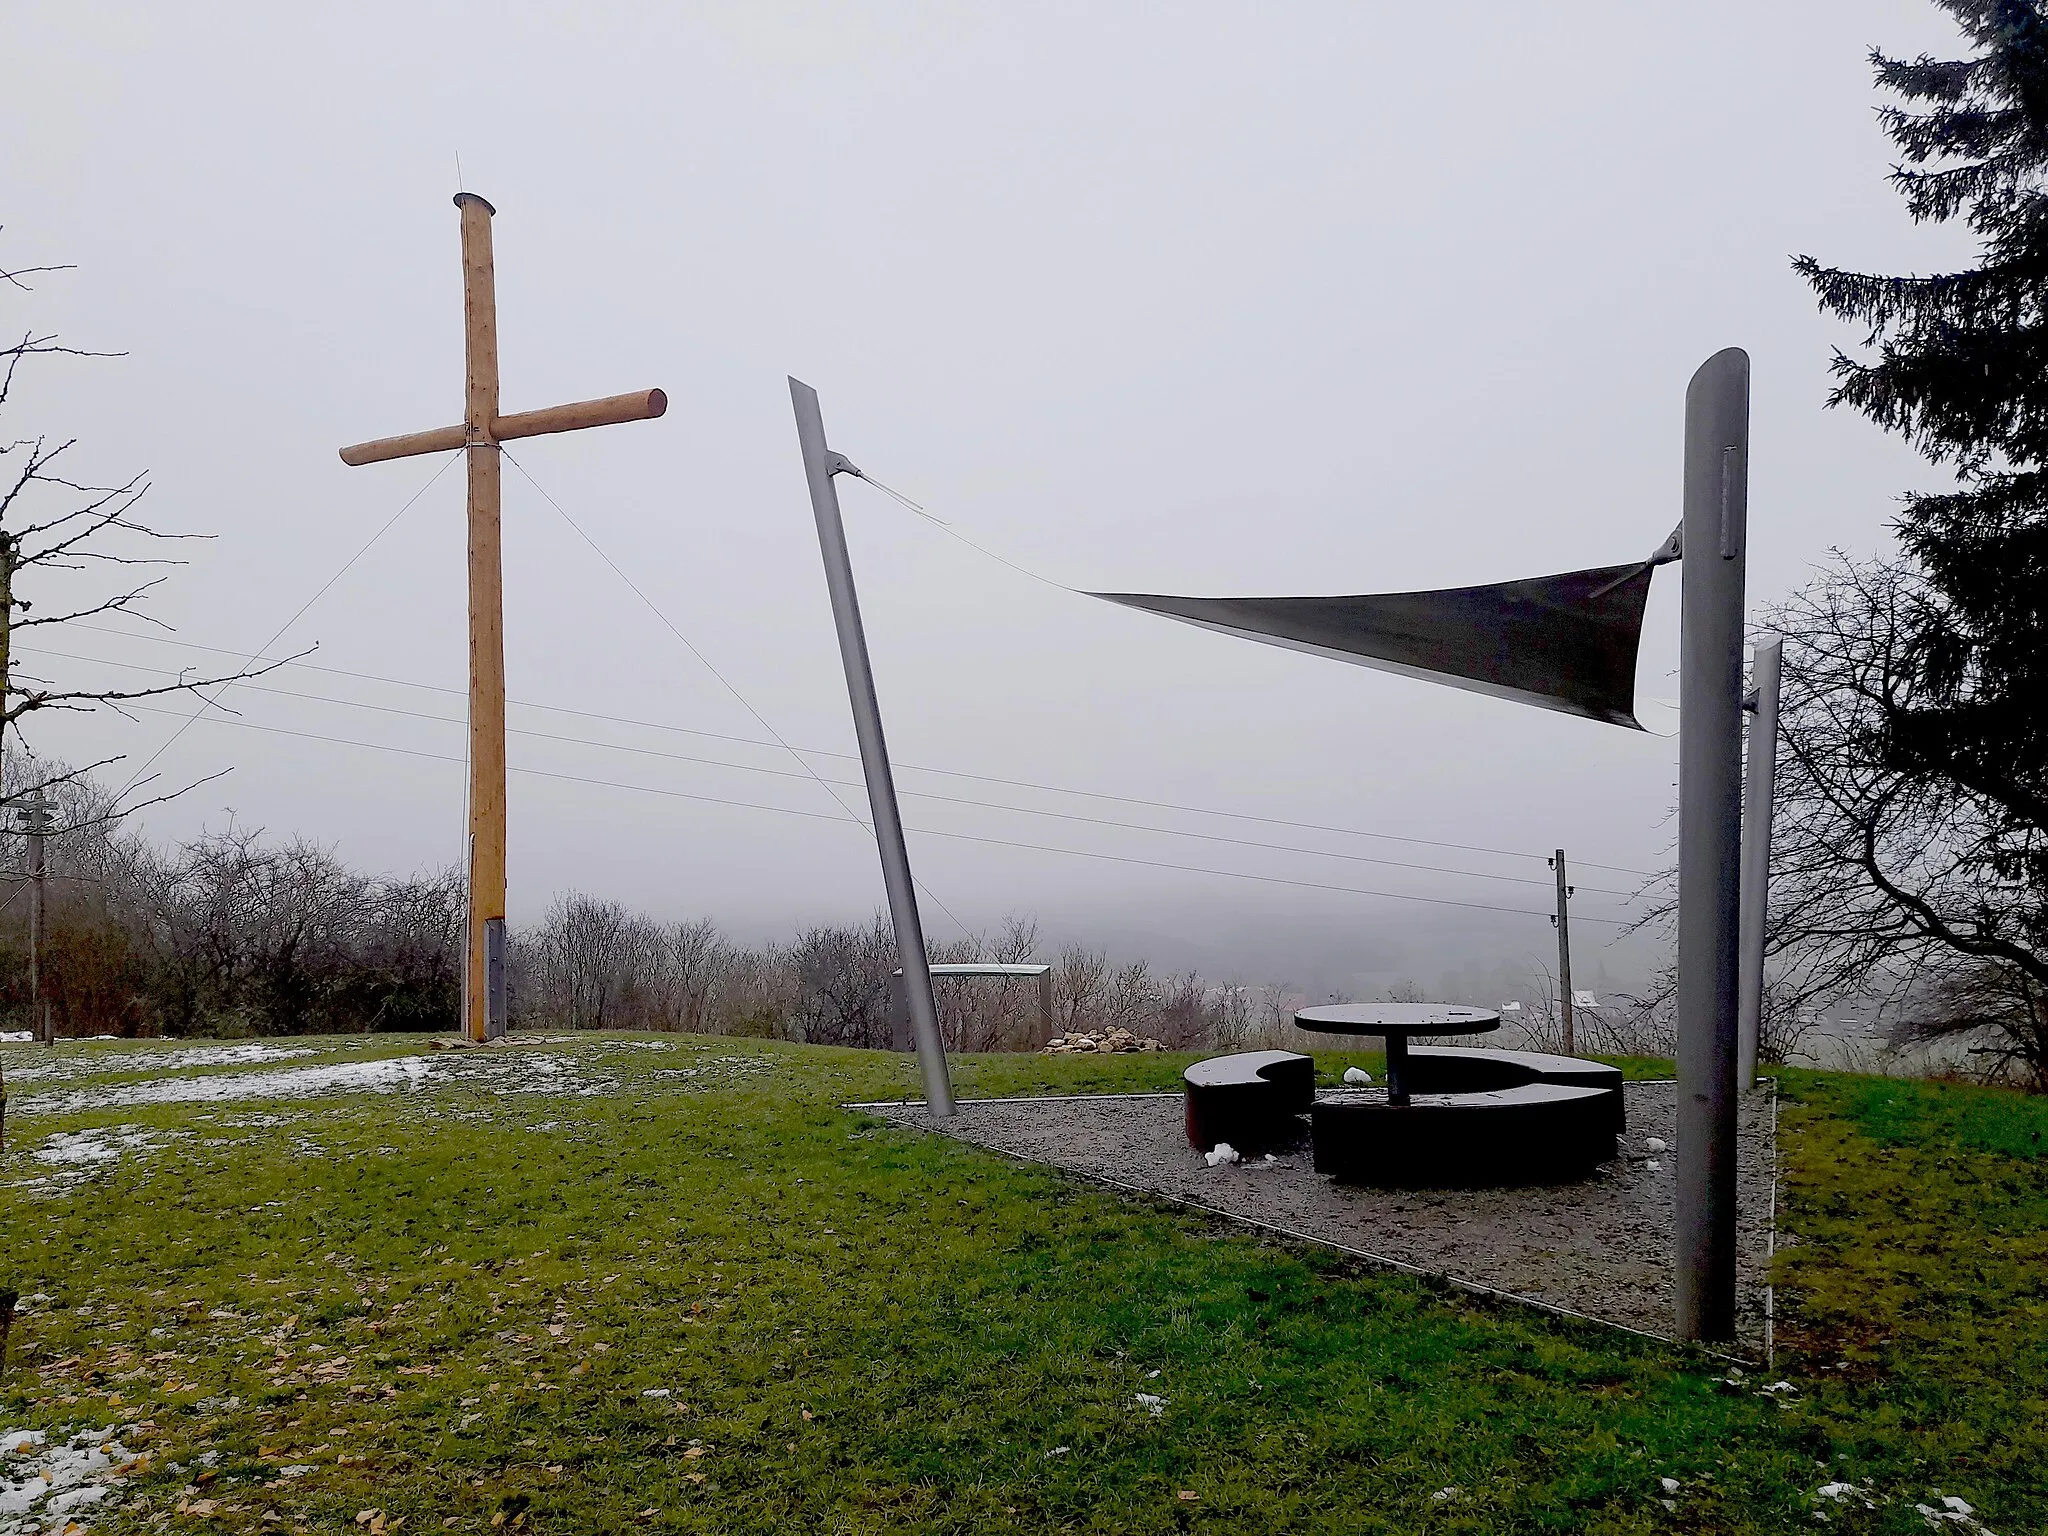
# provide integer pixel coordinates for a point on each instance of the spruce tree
(1958, 364)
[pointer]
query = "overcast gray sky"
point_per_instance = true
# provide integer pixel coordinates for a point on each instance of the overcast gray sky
(1193, 298)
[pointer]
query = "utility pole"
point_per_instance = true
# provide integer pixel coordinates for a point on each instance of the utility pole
(1564, 949)
(35, 821)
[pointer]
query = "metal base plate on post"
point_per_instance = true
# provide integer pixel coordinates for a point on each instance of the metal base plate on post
(495, 1022)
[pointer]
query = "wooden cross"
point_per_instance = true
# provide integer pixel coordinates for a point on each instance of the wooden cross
(483, 989)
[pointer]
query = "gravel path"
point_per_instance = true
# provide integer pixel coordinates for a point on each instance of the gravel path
(1600, 1248)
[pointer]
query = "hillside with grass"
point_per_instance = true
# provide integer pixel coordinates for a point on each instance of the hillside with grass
(668, 1283)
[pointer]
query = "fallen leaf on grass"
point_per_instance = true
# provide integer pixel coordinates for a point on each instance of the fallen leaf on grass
(1188, 1496)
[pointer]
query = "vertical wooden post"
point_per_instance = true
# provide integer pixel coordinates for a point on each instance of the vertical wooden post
(484, 995)
(36, 821)
(1564, 952)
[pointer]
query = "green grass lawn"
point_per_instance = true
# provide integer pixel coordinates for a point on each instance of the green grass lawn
(456, 1306)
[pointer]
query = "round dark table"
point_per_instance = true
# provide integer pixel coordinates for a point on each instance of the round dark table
(1396, 1022)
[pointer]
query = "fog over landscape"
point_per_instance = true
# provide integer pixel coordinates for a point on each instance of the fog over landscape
(1314, 299)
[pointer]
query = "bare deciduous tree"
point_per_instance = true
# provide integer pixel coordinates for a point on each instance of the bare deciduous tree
(52, 524)
(844, 973)
(53, 527)
(1909, 887)
(1080, 977)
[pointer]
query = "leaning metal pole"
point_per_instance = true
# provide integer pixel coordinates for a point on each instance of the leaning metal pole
(1759, 791)
(820, 465)
(1709, 832)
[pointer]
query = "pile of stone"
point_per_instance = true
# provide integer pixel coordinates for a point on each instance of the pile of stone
(1118, 1039)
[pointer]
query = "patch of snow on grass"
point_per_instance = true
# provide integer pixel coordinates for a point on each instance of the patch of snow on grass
(1954, 1512)
(717, 1068)
(39, 1480)
(250, 1055)
(398, 1072)
(66, 1065)
(493, 1072)
(77, 1155)
(102, 1145)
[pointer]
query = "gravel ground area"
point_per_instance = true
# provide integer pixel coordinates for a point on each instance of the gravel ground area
(1600, 1248)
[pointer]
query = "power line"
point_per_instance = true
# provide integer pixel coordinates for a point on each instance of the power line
(297, 614)
(705, 662)
(1017, 810)
(953, 773)
(965, 837)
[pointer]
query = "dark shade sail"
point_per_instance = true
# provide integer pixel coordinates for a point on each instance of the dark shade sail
(1560, 642)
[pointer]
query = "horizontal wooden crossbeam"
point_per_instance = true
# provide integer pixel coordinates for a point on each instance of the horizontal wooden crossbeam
(641, 405)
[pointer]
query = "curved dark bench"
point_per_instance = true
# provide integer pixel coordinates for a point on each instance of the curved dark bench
(1534, 1133)
(1465, 1069)
(1251, 1100)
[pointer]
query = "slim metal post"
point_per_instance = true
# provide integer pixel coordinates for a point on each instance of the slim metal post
(1564, 951)
(820, 465)
(1709, 835)
(1760, 787)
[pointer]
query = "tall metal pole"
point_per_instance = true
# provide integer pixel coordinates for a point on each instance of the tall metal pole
(820, 465)
(1709, 835)
(1564, 951)
(1760, 787)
